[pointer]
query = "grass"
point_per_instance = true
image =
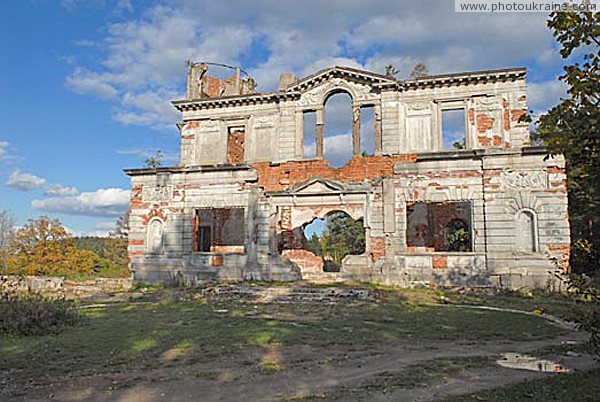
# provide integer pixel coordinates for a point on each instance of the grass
(415, 376)
(163, 333)
(580, 387)
(557, 304)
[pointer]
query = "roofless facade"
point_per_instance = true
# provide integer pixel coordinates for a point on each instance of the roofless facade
(475, 206)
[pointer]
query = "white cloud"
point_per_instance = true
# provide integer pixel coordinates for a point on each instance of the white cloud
(83, 81)
(143, 61)
(149, 152)
(59, 190)
(544, 95)
(119, 5)
(337, 149)
(149, 108)
(24, 181)
(85, 43)
(69, 4)
(4, 149)
(106, 225)
(124, 5)
(102, 202)
(87, 233)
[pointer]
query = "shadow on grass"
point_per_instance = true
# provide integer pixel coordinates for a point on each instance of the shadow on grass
(168, 333)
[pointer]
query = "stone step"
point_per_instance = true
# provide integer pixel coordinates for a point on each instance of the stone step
(284, 295)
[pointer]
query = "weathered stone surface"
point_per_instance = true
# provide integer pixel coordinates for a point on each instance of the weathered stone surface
(66, 288)
(245, 151)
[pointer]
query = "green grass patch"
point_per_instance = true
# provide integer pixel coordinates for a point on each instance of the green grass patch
(159, 333)
(580, 387)
(558, 304)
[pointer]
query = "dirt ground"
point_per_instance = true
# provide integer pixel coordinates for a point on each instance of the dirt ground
(392, 371)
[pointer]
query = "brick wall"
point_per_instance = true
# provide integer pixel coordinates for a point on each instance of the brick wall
(276, 177)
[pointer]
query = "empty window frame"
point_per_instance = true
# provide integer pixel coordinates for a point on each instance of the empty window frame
(219, 229)
(309, 134)
(367, 130)
(439, 226)
(338, 120)
(453, 125)
(236, 137)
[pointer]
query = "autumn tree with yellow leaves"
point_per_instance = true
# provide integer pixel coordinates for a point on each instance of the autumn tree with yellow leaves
(43, 247)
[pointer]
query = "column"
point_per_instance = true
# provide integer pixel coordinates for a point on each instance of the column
(320, 132)
(356, 129)
(377, 128)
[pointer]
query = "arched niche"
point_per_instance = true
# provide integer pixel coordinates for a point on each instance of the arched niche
(526, 238)
(154, 238)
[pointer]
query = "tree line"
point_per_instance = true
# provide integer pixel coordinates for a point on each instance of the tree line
(44, 247)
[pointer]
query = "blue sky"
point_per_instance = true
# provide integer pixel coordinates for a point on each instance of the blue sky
(86, 84)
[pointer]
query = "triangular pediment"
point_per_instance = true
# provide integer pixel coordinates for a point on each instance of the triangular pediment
(317, 186)
(335, 74)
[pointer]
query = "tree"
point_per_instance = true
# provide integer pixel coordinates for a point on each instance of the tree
(156, 160)
(116, 248)
(7, 232)
(43, 247)
(420, 70)
(7, 229)
(571, 128)
(121, 226)
(344, 236)
(314, 245)
(459, 144)
(391, 71)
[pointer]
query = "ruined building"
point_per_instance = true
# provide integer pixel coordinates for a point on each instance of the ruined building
(236, 204)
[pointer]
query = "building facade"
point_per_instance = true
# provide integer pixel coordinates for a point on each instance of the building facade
(492, 213)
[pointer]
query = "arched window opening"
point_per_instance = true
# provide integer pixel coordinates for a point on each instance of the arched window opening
(526, 232)
(338, 148)
(310, 134)
(155, 236)
(335, 237)
(367, 130)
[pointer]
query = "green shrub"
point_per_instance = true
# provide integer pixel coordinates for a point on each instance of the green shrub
(23, 314)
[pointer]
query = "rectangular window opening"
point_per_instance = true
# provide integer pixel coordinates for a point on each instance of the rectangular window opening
(367, 130)
(310, 134)
(439, 226)
(219, 230)
(453, 128)
(236, 137)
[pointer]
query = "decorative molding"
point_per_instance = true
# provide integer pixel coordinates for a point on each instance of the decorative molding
(524, 179)
(488, 102)
(311, 98)
(157, 193)
(418, 106)
(266, 121)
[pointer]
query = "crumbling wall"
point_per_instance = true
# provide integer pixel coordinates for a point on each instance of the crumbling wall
(281, 176)
(247, 152)
(235, 146)
(498, 186)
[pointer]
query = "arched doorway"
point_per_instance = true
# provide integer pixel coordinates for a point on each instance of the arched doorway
(321, 244)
